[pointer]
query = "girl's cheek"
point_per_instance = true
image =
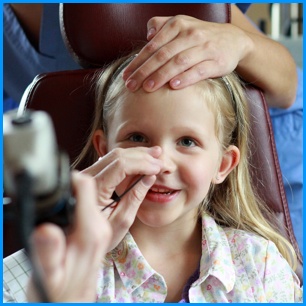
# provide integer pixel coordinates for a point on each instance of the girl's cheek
(199, 178)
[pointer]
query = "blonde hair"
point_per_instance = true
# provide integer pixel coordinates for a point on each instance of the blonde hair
(233, 203)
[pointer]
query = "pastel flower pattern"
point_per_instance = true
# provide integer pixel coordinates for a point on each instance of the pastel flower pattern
(236, 266)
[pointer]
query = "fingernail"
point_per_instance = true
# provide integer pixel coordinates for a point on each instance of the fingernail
(148, 180)
(175, 83)
(149, 84)
(151, 33)
(131, 84)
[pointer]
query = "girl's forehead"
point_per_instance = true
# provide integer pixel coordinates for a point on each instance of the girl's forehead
(185, 104)
(191, 99)
(166, 94)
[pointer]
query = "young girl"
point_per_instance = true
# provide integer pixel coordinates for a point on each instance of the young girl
(196, 233)
(199, 235)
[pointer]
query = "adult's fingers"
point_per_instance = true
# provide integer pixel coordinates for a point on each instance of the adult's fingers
(124, 163)
(204, 70)
(87, 242)
(85, 232)
(69, 264)
(90, 238)
(147, 154)
(154, 25)
(125, 212)
(116, 174)
(184, 60)
(130, 202)
(48, 246)
(150, 68)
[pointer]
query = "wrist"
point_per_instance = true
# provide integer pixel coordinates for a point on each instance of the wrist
(248, 50)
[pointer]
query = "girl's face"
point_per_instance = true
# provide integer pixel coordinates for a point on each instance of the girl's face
(180, 122)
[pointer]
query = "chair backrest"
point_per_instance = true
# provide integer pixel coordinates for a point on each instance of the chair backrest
(99, 33)
(115, 29)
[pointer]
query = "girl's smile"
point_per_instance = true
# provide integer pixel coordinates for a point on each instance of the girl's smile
(161, 194)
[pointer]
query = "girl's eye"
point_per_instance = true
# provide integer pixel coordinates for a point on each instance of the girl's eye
(187, 142)
(137, 138)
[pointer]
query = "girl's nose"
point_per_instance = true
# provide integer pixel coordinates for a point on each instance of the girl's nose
(169, 165)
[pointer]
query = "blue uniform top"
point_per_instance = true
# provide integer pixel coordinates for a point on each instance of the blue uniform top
(22, 62)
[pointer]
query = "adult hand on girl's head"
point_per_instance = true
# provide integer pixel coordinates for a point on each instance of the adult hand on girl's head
(69, 263)
(120, 167)
(185, 50)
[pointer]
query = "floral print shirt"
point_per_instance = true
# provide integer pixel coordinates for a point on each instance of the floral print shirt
(236, 266)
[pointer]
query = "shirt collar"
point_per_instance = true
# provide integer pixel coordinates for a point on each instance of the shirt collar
(133, 270)
(216, 257)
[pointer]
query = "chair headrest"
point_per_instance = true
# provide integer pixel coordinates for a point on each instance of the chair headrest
(89, 33)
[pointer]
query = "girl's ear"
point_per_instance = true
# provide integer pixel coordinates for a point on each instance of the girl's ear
(229, 161)
(99, 142)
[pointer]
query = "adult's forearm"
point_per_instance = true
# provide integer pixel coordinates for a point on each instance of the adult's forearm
(268, 65)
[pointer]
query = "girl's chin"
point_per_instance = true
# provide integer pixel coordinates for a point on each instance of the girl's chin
(154, 221)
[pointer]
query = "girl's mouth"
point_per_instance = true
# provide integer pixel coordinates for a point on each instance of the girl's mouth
(161, 190)
(161, 194)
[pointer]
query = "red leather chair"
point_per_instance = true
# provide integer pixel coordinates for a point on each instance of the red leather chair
(99, 33)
